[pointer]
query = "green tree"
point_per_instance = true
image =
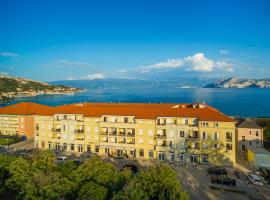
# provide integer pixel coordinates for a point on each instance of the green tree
(154, 183)
(92, 191)
(4, 171)
(38, 178)
(267, 131)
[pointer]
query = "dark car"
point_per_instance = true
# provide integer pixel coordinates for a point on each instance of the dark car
(217, 171)
(237, 174)
(264, 171)
(225, 180)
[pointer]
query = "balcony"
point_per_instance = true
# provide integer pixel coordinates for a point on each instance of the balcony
(79, 131)
(161, 136)
(112, 133)
(193, 137)
(56, 130)
(229, 139)
(121, 133)
(130, 134)
(103, 133)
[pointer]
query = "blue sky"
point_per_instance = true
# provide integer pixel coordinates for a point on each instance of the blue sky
(76, 39)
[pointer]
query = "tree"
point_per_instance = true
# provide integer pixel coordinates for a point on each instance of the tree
(4, 171)
(101, 173)
(92, 191)
(267, 131)
(154, 183)
(38, 178)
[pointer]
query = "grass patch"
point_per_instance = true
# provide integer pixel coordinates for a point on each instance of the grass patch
(9, 140)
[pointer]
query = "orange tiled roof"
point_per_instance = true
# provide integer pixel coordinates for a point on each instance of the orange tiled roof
(140, 110)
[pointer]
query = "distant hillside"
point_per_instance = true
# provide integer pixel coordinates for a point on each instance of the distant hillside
(235, 82)
(14, 86)
(132, 83)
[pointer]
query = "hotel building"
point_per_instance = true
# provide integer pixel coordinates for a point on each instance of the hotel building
(190, 133)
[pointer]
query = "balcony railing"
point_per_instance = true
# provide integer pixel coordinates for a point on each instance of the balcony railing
(161, 136)
(79, 131)
(56, 130)
(228, 139)
(131, 134)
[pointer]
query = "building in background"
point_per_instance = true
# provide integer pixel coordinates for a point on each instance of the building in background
(193, 133)
(250, 135)
(258, 157)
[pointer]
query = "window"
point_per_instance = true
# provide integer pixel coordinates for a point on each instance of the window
(43, 144)
(182, 157)
(196, 145)
(249, 132)
(228, 146)
(132, 153)
(141, 153)
(186, 121)
(205, 158)
(88, 149)
(37, 126)
(151, 154)
(57, 146)
(105, 119)
(150, 142)
(140, 131)
(64, 146)
(243, 138)
(257, 133)
(72, 147)
(243, 147)
(161, 156)
(150, 133)
(171, 144)
(215, 146)
(140, 141)
(107, 150)
(250, 143)
(126, 119)
(65, 117)
(182, 133)
(80, 148)
(204, 135)
(97, 149)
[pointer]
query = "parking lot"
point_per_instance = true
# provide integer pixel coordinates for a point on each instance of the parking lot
(196, 181)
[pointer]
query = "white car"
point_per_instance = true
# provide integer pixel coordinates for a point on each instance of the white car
(61, 159)
(254, 179)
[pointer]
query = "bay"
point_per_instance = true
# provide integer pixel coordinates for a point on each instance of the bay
(246, 102)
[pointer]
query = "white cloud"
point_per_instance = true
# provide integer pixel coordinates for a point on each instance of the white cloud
(94, 76)
(8, 54)
(196, 62)
(224, 51)
(122, 71)
(69, 63)
(71, 78)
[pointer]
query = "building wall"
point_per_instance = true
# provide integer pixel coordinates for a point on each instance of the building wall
(139, 138)
(9, 125)
(249, 137)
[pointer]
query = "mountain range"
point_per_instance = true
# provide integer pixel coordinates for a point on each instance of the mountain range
(235, 82)
(232, 82)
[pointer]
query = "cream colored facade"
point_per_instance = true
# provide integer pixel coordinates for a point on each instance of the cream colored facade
(176, 139)
(9, 125)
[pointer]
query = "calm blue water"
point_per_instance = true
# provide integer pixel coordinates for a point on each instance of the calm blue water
(244, 102)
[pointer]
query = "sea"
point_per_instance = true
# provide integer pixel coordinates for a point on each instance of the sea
(246, 102)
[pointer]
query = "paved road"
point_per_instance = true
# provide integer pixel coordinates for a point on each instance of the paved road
(24, 145)
(196, 181)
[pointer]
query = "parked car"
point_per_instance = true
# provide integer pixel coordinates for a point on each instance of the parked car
(217, 171)
(225, 180)
(237, 174)
(254, 179)
(264, 172)
(61, 159)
